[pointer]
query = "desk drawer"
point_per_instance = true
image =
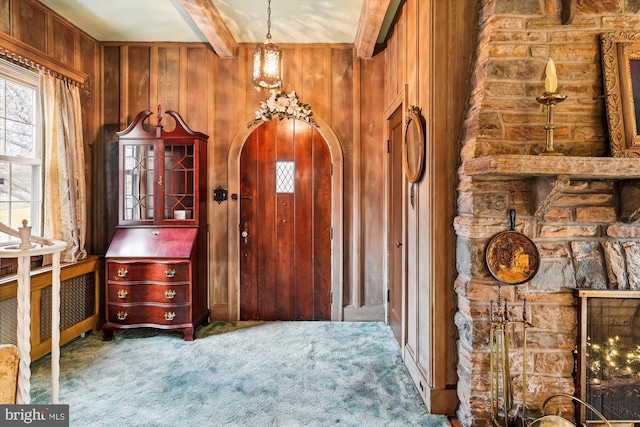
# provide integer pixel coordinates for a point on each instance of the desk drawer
(148, 271)
(170, 293)
(140, 314)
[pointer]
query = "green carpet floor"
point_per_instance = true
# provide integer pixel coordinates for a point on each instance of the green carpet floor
(238, 374)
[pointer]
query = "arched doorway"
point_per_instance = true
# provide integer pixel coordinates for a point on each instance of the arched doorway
(235, 228)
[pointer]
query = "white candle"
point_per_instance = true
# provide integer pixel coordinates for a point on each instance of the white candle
(551, 79)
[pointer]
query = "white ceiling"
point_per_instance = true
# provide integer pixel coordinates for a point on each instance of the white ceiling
(292, 21)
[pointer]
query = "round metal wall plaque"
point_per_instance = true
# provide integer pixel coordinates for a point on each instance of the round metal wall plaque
(512, 257)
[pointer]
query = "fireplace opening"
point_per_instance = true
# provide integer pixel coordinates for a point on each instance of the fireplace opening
(608, 374)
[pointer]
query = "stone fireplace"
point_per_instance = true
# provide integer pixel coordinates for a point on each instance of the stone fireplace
(580, 209)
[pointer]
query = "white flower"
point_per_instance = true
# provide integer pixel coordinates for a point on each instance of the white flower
(280, 105)
(272, 103)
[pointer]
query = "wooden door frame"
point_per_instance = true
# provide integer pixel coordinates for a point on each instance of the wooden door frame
(400, 102)
(337, 220)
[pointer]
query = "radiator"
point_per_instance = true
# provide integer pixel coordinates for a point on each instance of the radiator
(79, 306)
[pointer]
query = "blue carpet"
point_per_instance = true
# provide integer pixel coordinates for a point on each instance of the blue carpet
(238, 374)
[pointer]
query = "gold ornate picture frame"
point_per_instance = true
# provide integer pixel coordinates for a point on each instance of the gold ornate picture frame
(621, 74)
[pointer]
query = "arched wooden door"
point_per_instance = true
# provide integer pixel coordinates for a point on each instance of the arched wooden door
(285, 223)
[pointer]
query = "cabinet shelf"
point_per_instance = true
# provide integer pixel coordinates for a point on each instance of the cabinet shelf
(516, 166)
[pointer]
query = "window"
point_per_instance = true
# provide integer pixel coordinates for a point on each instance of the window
(285, 177)
(20, 149)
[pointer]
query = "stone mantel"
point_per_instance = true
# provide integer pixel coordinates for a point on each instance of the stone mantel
(552, 175)
(517, 166)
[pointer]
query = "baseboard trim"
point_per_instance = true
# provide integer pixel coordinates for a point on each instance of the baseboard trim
(367, 313)
(220, 312)
(438, 401)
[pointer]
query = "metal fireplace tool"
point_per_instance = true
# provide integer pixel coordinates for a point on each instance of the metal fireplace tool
(512, 259)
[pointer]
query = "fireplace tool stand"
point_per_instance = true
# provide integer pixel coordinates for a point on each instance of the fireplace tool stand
(503, 410)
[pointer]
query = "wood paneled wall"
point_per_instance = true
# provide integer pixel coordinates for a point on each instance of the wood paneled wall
(425, 64)
(215, 96)
(428, 59)
(57, 40)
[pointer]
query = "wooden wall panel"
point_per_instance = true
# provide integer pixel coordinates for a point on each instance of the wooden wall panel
(313, 89)
(64, 48)
(227, 92)
(251, 99)
(110, 125)
(87, 58)
(29, 24)
(414, 53)
(401, 56)
(5, 16)
(196, 113)
(390, 66)
(292, 74)
(137, 86)
(341, 105)
(373, 153)
(168, 89)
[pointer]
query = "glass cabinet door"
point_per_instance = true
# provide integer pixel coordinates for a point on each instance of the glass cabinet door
(138, 182)
(179, 182)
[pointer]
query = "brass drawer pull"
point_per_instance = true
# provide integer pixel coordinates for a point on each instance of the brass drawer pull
(170, 294)
(170, 272)
(122, 315)
(169, 315)
(122, 293)
(122, 272)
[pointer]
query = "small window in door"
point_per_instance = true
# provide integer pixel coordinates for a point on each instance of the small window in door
(284, 177)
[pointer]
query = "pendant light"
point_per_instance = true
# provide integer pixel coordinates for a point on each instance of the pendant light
(267, 61)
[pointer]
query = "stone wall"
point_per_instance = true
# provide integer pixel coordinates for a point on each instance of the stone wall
(583, 238)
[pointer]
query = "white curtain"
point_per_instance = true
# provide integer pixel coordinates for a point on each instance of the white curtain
(65, 212)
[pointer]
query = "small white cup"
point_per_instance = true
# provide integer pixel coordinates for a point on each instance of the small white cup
(180, 214)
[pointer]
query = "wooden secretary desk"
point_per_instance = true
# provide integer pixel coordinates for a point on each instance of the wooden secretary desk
(156, 264)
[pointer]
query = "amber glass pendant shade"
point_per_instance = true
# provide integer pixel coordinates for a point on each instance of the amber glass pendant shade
(267, 66)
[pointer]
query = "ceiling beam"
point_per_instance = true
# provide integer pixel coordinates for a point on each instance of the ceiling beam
(371, 19)
(210, 23)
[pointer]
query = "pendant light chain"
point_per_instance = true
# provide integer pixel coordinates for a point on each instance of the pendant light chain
(268, 19)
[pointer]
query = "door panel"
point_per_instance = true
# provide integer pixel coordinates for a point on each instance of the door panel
(285, 260)
(396, 239)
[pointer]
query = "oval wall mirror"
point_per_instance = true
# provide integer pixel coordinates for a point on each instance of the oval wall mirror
(414, 145)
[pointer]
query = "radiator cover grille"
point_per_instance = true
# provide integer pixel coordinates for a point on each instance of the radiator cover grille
(9, 321)
(77, 303)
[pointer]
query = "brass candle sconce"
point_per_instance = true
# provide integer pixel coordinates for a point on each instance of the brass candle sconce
(550, 98)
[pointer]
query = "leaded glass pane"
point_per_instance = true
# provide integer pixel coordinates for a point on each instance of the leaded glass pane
(285, 177)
